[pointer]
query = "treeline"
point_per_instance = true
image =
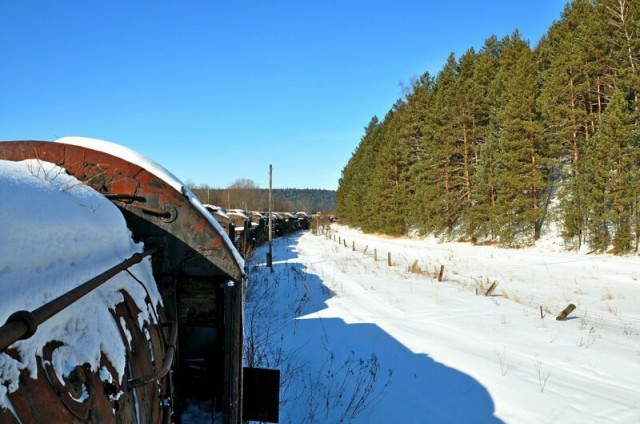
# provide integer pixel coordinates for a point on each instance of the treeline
(481, 150)
(254, 198)
(311, 200)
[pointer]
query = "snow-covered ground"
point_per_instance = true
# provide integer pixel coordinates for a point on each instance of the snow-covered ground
(360, 341)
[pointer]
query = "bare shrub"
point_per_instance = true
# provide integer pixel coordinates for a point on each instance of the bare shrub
(542, 375)
(332, 388)
(607, 295)
(502, 360)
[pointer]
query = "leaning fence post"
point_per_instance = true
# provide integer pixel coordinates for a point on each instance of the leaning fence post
(566, 312)
(441, 273)
(491, 288)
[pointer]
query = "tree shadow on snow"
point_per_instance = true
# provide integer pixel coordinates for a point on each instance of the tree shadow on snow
(341, 364)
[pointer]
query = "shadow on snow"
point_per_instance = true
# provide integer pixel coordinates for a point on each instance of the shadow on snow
(334, 361)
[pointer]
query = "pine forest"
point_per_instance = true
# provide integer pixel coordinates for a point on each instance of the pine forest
(509, 140)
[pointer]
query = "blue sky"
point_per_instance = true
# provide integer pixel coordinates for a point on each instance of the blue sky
(218, 90)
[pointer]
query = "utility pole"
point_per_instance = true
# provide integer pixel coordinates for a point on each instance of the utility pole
(270, 254)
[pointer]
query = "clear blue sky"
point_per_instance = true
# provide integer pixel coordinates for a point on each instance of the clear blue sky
(218, 90)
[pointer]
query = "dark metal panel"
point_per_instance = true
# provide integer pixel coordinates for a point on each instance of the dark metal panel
(261, 395)
(197, 302)
(232, 394)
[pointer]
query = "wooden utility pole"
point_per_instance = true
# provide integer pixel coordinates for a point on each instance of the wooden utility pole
(270, 254)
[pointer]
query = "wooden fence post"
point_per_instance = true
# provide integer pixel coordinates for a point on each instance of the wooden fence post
(441, 273)
(563, 315)
(389, 259)
(491, 288)
(375, 254)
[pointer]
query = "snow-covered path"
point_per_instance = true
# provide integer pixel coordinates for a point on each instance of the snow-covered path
(440, 353)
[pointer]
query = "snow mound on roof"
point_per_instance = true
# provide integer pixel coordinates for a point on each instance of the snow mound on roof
(57, 233)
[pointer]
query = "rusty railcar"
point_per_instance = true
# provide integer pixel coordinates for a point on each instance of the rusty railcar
(199, 275)
(223, 219)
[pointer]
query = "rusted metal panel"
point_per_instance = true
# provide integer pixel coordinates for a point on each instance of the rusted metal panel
(52, 405)
(140, 359)
(6, 417)
(82, 397)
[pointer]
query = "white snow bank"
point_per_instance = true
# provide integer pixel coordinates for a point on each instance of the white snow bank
(156, 169)
(57, 233)
(444, 354)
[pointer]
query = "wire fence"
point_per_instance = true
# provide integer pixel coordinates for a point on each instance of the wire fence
(416, 267)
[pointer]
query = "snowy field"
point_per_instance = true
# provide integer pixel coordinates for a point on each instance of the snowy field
(360, 341)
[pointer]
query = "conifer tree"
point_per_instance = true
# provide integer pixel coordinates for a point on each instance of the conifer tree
(479, 218)
(609, 174)
(353, 195)
(438, 189)
(571, 102)
(519, 176)
(418, 104)
(387, 182)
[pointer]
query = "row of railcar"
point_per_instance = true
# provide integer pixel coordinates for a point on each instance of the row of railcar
(248, 229)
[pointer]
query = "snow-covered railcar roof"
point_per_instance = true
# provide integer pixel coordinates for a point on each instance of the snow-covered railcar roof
(159, 171)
